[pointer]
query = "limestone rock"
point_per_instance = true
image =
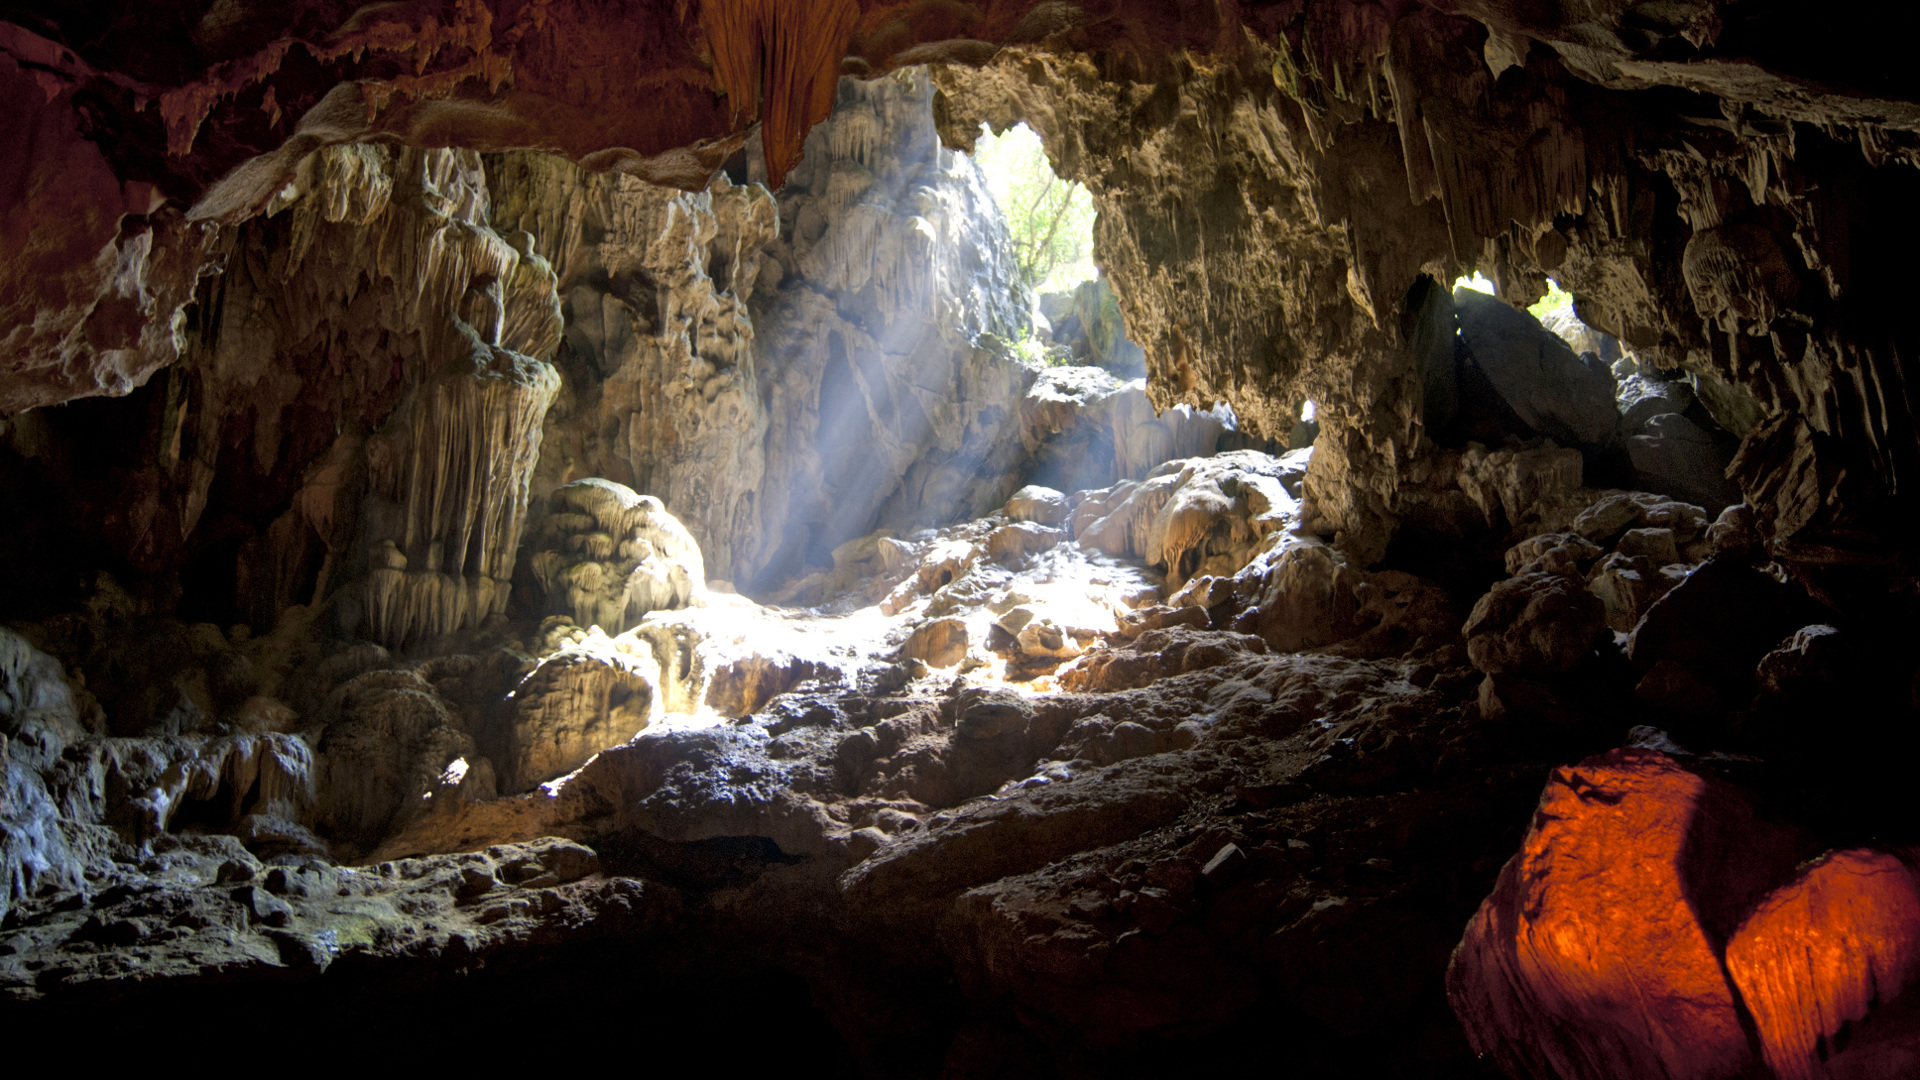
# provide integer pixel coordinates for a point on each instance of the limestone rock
(1673, 455)
(1517, 484)
(1735, 534)
(579, 701)
(1717, 623)
(1642, 398)
(37, 715)
(1598, 953)
(1041, 505)
(1629, 585)
(940, 643)
(1553, 390)
(1821, 954)
(607, 557)
(1537, 623)
(1194, 516)
(1013, 543)
(1560, 553)
(1308, 597)
(388, 752)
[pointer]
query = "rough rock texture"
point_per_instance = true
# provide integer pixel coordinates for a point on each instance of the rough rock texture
(1130, 828)
(1650, 916)
(606, 556)
(662, 390)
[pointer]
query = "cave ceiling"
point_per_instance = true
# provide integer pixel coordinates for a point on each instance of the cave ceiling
(1694, 172)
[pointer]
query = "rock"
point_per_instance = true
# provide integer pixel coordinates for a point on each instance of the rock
(1597, 955)
(1809, 661)
(390, 741)
(1717, 624)
(1675, 456)
(37, 714)
(1735, 534)
(1642, 398)
(1606, 519)
(941, 643)
(1206, 592)
(1307, 597)
(1516, 483)
(606, 556)
(1041, 505)
(1559, 553)
(1013, 543)
(579, 701)
(1821, 954)
(1552, 389)
(1653, 544)
(1534, 624)
(1629, 585)
(1581, 338)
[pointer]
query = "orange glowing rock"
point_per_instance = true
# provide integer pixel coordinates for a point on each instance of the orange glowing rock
(1598, 954)
(1822, 952)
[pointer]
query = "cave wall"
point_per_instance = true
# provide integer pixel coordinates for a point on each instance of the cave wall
(1693, 204)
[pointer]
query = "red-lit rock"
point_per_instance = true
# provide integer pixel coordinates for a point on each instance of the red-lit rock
(1821, 953)
(1597, 956)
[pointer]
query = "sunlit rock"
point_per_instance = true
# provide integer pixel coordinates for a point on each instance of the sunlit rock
(1041, 505)
(607, 557)
(579, 701)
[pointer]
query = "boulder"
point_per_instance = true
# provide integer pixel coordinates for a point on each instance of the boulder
(1534, 624)
(940, 643)
(1515, 482)
(1717, 624)
(1307, 597)
(1677, 457)
(1559, 553)
(581, 700)
(606, 556)
(1628, 586)
(1642, 398)
(1822, 953)
(1597, 955)
(1041, 505)
(1021, 540)
(1553, 390)
(1735, 534)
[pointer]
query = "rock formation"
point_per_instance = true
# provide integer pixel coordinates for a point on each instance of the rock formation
(398, 399)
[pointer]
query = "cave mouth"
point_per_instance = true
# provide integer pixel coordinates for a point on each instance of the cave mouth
(1050, 220)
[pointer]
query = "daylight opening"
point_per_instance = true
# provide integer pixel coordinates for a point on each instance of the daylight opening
(1050, 218)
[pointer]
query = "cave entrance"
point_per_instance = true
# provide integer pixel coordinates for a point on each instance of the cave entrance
(1050, 223)
(1050, 219)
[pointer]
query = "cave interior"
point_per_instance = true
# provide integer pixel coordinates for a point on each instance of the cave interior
(576, 516)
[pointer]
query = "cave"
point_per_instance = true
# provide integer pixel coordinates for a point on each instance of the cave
(531, 521)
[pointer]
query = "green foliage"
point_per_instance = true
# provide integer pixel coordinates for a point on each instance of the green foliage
(1031, 349)
(1555, 300)
(1051, 219)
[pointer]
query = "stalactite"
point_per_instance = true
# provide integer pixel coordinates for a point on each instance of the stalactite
(450, 488)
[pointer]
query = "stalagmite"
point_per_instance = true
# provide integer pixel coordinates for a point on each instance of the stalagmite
(607, 557)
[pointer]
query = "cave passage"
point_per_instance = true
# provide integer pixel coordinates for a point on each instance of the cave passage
(964, 541)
